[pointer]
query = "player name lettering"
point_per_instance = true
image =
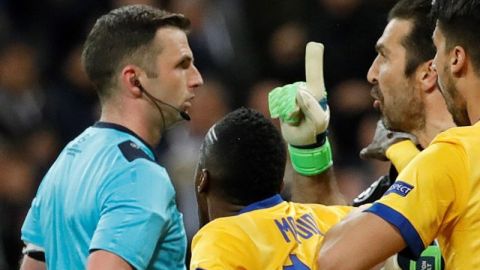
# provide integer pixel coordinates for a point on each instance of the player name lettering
(297, 229)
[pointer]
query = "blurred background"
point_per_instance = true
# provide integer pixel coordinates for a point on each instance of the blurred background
(244, 48)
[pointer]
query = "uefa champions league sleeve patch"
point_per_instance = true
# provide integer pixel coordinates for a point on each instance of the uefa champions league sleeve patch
(401, 188)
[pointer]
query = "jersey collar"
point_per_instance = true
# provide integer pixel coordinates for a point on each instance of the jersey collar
(121, 128)
(267, 203)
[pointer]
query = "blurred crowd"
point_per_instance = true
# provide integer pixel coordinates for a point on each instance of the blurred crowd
(244, 48)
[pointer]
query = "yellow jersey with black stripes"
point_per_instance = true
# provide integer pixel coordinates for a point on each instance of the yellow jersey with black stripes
(270, 234)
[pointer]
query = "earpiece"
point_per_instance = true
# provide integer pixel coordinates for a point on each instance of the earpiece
(136, 82)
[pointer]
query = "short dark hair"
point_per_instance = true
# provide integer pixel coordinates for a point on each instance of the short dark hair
(246, 154)
(459, 21)
(418, 43)
(124, 34)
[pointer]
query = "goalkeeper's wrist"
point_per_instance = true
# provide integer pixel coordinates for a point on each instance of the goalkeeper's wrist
(312, 159)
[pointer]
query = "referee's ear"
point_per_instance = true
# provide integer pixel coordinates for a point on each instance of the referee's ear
(427, 76)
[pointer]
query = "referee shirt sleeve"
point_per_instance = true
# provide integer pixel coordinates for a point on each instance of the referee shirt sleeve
(31, 228)
(135, 211)
(426, 195)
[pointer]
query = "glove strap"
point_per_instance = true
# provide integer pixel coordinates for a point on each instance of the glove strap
(310, 161)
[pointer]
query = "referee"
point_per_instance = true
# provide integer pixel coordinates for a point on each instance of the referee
(106, 203)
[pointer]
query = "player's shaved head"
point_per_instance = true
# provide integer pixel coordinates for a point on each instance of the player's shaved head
(245, 156)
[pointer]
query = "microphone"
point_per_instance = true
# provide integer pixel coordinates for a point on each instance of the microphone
(183, 114)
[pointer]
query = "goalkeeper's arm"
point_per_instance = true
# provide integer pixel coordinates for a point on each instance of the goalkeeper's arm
(308, 145)
(304, 117)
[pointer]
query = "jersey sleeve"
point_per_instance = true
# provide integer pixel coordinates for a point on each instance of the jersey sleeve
(216, 247)
(425, 195)
(31, 229)
(135, 211)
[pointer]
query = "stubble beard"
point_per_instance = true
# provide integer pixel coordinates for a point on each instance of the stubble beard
(456, 104)
(409, 116)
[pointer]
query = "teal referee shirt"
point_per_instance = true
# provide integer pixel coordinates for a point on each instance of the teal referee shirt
(106, 191)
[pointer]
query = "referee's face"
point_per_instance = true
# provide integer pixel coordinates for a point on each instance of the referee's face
(395, 95)
(176, 76)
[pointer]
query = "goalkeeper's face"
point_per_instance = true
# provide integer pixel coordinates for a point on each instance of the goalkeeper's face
(396, 95)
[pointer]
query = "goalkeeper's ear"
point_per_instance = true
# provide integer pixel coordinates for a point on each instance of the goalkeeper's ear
(427, 77)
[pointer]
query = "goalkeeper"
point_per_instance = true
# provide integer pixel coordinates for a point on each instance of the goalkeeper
(411, 102)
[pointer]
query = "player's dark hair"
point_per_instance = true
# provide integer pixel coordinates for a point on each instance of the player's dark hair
(418, 43)
(124, 36)
(246, 154)
(459, 21)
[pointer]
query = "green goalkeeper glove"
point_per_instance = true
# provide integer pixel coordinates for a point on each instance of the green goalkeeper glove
(304, 116)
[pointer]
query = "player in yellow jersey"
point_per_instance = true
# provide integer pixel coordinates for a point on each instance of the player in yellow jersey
(405, 90)
(248, 224)
(423, 122)
(406, 94)
(437, 195)
(238, 181)
(240, 175)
